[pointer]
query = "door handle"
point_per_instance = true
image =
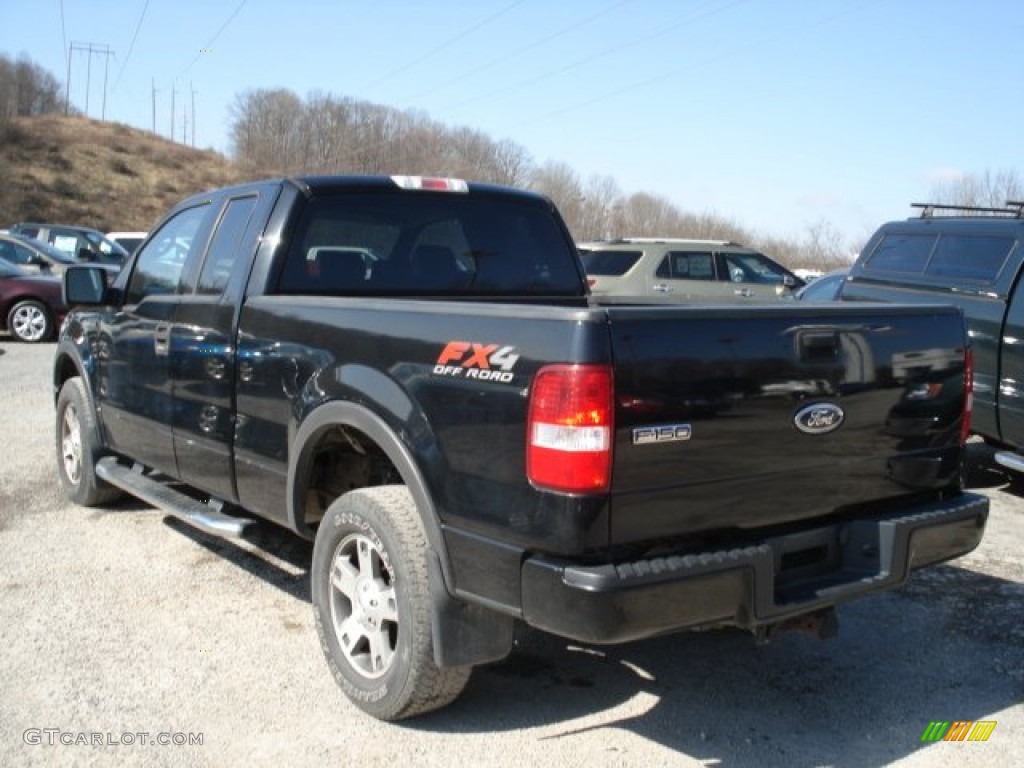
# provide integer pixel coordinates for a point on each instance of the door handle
(162, 339)
(744, 292)
(662, 288)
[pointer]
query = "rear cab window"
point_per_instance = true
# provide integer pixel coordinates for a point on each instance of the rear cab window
(976, 258)
(419, 243)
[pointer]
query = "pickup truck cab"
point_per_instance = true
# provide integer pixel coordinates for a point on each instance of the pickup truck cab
(971, 258)
(410, 372)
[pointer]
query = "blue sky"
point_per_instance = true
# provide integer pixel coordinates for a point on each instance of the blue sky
(778, 114)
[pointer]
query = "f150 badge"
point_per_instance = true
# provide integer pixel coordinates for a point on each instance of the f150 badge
(662, 433)
(819, 418)
(473, 360)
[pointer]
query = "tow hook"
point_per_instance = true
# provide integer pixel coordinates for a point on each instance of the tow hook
(823, 624)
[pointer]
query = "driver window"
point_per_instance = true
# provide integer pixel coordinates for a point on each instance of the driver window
(159, 265)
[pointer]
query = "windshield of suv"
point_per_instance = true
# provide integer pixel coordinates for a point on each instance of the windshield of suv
(51, 252)
(106, 246)
(609, 263)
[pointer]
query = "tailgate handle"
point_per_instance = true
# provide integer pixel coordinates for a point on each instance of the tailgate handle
(819, 347)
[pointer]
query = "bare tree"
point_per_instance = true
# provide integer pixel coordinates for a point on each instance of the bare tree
(562, 184)
(26, 89)
(601, 210)
(989, 189)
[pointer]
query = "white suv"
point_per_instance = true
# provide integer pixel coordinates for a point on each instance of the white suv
(685, 270)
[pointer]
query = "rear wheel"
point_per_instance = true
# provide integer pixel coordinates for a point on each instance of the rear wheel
(371, 600)
(30, 321)
(78, 447)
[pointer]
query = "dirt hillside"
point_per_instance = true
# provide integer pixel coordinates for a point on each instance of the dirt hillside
(74, 170)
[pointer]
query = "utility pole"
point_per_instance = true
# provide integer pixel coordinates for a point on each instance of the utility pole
(106, 67)
(88, 78)
(173, 92)
(193, 114)
(91, 49)
(154, 105)
(67, 90)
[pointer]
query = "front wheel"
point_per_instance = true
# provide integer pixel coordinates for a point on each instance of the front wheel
(78, 447)
(371, 602)
(30, 321)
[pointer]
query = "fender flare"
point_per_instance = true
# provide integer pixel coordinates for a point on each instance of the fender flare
(346, 414)
(68, 353)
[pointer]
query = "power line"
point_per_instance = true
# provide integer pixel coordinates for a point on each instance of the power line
(519, 51)
(690, 19)
(212, 40)
(451, 41)
(676, 72)
(131, 47)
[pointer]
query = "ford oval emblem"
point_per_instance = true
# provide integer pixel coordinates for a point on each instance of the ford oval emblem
(819, 419)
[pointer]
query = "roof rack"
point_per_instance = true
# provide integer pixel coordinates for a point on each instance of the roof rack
(1013, 208)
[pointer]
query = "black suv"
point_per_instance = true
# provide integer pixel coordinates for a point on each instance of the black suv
(970, 257)
(81, 243)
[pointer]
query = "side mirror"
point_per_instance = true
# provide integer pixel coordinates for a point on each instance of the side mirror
(84, 286)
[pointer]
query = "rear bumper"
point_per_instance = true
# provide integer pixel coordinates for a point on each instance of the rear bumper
(757, 586)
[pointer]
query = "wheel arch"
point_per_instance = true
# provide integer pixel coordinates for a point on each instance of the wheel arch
(67, 364)
(335, 415)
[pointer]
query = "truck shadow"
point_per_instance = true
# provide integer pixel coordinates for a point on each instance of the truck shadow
(271, 554)
(947, 646)
(937, 650)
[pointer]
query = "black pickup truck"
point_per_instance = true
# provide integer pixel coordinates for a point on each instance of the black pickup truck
(971, 257)
(411, 372)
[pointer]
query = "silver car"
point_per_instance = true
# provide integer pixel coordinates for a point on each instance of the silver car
(684, 270)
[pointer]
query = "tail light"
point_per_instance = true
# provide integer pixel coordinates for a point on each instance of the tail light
(965, 419)
(569, 429)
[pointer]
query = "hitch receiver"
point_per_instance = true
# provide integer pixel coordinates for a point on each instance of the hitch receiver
(823, 624)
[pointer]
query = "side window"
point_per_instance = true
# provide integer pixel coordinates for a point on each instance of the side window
(753, 268)
(159, 265)
(664, 269)
(901, 253)
(10, 252)
(970, 257)
(692, 266)
(224, 247)
(23, 255)
(615, 263)
(65, 242)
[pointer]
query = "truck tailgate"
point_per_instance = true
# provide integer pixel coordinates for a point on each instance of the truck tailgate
(737, 418)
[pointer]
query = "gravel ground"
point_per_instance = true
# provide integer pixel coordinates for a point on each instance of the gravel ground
(121, 625)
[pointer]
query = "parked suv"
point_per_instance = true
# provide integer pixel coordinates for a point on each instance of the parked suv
(686, 270)
(82, 243)
(970, 257)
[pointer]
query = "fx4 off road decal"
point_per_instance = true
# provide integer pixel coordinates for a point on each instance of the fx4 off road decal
(472, 360)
